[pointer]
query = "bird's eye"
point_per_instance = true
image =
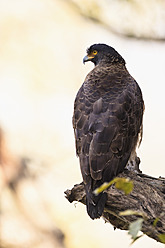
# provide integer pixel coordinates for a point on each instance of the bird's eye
(94, 52)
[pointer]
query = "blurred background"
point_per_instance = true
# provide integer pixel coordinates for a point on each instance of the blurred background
(42, 44)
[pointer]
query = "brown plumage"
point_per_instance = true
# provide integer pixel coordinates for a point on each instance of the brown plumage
(107, 121)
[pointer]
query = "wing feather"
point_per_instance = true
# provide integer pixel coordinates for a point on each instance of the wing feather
(106, 130)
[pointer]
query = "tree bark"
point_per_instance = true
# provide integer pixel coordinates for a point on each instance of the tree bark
(147, 197)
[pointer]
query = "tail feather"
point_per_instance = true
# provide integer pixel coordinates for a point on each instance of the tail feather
(95, 204)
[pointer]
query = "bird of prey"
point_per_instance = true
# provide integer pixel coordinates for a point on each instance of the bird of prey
(107, 122)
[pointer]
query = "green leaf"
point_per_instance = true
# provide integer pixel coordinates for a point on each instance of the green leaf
(124, 184)
(162, 237)
(155, 222)
(131, 212)
(100, 189)
(135, 227)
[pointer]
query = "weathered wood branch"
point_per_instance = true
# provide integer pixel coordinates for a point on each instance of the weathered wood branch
(147, 197)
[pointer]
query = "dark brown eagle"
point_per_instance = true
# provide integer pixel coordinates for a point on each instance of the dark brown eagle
(107, 121)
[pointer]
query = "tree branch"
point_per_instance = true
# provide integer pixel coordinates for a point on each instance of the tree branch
(147, 197)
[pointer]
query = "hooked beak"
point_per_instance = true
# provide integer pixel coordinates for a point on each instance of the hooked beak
(87, 58)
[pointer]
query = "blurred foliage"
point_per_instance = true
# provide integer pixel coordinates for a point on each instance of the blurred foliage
(131, 212)
(134, 229)
(124, 184)
(162, 237)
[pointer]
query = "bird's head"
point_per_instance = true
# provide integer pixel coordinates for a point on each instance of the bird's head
(103, 53)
